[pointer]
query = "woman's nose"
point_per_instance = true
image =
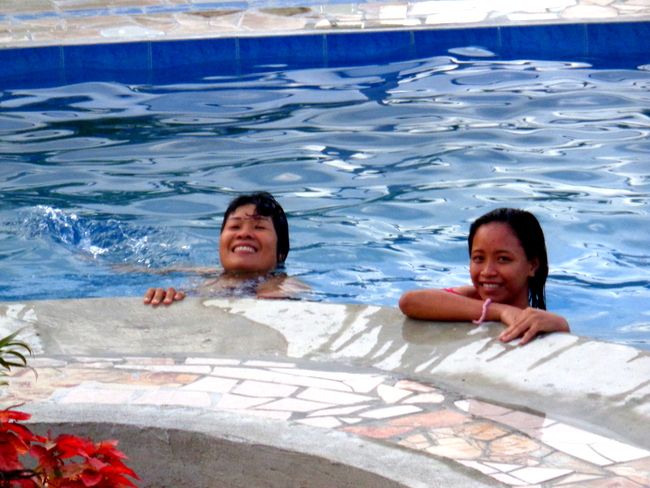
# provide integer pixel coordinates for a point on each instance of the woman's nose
(245, 232)
(489, 268)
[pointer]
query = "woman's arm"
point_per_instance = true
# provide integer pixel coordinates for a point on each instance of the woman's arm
(462, 306)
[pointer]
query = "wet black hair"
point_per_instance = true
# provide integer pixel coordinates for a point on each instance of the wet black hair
(527, 229)
(266, 206)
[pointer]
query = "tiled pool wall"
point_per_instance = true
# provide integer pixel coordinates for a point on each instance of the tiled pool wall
(603, 45)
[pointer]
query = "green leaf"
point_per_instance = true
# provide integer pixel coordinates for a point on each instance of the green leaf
(19, 356)
(9, 338)
(11, 355)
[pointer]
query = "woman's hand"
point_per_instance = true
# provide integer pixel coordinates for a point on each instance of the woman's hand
(529, 322)
(155, 296)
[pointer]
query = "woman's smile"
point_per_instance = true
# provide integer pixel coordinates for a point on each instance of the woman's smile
(244, 248)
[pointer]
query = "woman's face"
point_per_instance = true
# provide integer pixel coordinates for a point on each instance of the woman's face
(248, 242)
(499, 267)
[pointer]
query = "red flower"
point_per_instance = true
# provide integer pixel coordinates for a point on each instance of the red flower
(98, 465)
(8, 415)
(15, 439)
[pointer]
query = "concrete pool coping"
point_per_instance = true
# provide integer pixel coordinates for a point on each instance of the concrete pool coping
(562, 411)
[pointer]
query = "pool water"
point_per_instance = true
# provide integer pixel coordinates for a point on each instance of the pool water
(380, 168)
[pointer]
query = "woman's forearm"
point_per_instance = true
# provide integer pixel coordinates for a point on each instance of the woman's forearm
(445, 306)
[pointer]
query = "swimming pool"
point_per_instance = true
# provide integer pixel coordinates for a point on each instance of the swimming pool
(381, 167)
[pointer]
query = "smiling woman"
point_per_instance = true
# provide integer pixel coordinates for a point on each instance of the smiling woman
(508, 267)
(254, 241)
(248, 242)
(254, 234)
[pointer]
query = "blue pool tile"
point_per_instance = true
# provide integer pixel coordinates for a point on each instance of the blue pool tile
(561, 42)
(618, 45)
(27, 16)
(193, 59)
(622, 45)
(30, 16)
(128, 11)
(439, 41)
(167, 9)
(620, 39)
(300, 51)
(222, 6)
(122, 62)
(86, 13)
(369, 48)
(30, 67)
(49, 15)
(234, 6)
(335, 2)
(287, 4)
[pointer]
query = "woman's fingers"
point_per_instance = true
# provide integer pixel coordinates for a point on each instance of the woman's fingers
(531, 322)
(526, 324)
(530, 333)
(513, 331)
(149, 295)
(156, 296)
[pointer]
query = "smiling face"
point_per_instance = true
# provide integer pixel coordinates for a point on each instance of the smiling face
(499, 267)
(248, 242)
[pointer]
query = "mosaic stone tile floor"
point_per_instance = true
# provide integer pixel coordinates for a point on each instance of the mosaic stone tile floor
(514, 447)
(60, 22)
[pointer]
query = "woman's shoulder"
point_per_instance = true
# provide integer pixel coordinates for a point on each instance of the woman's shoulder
(282, 286)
